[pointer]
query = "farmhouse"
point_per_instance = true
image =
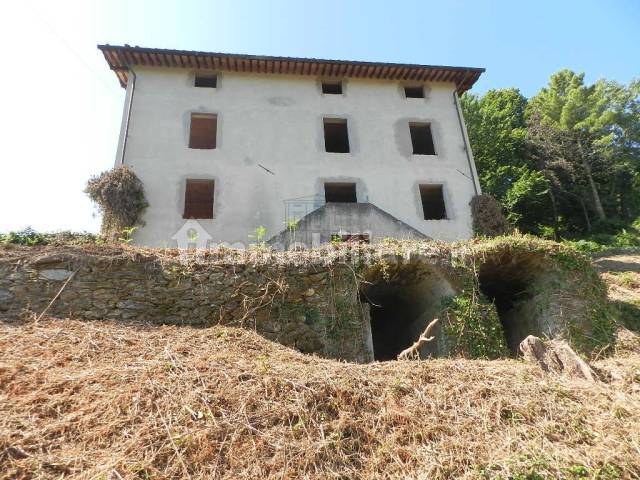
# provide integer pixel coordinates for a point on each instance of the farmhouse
(300, 150)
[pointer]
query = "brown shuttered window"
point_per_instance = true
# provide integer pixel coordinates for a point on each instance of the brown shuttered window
(203, 131)
(198, 199)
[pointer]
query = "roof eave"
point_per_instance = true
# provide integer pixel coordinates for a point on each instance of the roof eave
(121, 57)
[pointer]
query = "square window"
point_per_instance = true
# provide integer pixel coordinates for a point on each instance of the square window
(206, 81)
(336, 135)
(421, 139)
(432, 197)
(198, 199)
(203, 131)
(415, 91)
(340, 192)
(332, 88)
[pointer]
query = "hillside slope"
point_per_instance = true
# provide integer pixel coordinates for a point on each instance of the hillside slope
(114, 400)
(622, 274)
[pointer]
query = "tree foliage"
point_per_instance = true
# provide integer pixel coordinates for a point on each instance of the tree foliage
(565, 163)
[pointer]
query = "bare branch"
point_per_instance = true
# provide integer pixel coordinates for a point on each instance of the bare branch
(412, 353)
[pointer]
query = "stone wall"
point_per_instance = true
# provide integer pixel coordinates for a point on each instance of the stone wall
(344, 301)
(312, 308)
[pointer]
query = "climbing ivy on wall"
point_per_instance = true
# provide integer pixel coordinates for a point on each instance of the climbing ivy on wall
(119, 194)
(591, 330)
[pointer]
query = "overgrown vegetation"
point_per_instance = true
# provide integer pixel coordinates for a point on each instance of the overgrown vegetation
(565, 163)
(552, 284)
(488, 219)
(119, 194)
(581, 308)
(472, 322)
(626, 238)
(30, 237)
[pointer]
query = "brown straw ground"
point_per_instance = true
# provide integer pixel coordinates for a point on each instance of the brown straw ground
(104, 400)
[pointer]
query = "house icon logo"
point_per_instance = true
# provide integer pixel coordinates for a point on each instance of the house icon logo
(192, 235)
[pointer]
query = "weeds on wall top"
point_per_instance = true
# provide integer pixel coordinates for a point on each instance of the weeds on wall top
(120, 197)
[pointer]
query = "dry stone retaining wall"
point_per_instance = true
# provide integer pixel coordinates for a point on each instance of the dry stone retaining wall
(313, 309)
(487, 293)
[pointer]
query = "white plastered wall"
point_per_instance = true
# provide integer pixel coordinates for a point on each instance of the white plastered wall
(275, 122)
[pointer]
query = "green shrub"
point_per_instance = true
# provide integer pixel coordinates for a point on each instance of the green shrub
(472, 323)
(30, 237)
(599, 242)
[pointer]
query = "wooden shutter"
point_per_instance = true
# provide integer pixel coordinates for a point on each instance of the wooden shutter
(198, 199)
(203, 131)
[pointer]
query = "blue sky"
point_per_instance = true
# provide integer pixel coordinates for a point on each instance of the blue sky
(62, 106)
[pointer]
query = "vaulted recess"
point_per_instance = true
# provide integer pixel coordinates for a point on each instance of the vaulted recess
(400, 304)
(514, 283)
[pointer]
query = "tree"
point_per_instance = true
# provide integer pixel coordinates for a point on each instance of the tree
(566, 162)
(497, 132)
(581, 111)
(550, 151)
(622, 145)
(496, 127)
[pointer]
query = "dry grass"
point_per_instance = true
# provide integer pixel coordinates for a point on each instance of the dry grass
(623, 285)
(106, 400)
(621, 273)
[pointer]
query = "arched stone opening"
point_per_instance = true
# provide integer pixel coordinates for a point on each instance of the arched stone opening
(400, 302)
(515, 285)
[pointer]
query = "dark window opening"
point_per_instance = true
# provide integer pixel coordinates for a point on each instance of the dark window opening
(340, 193)
(351, 237)
(203, 131)
(421, 139)
(414, 91)
(198, 199)
(336, 135)
(206, 81)
(332, 88)
(432, 197)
